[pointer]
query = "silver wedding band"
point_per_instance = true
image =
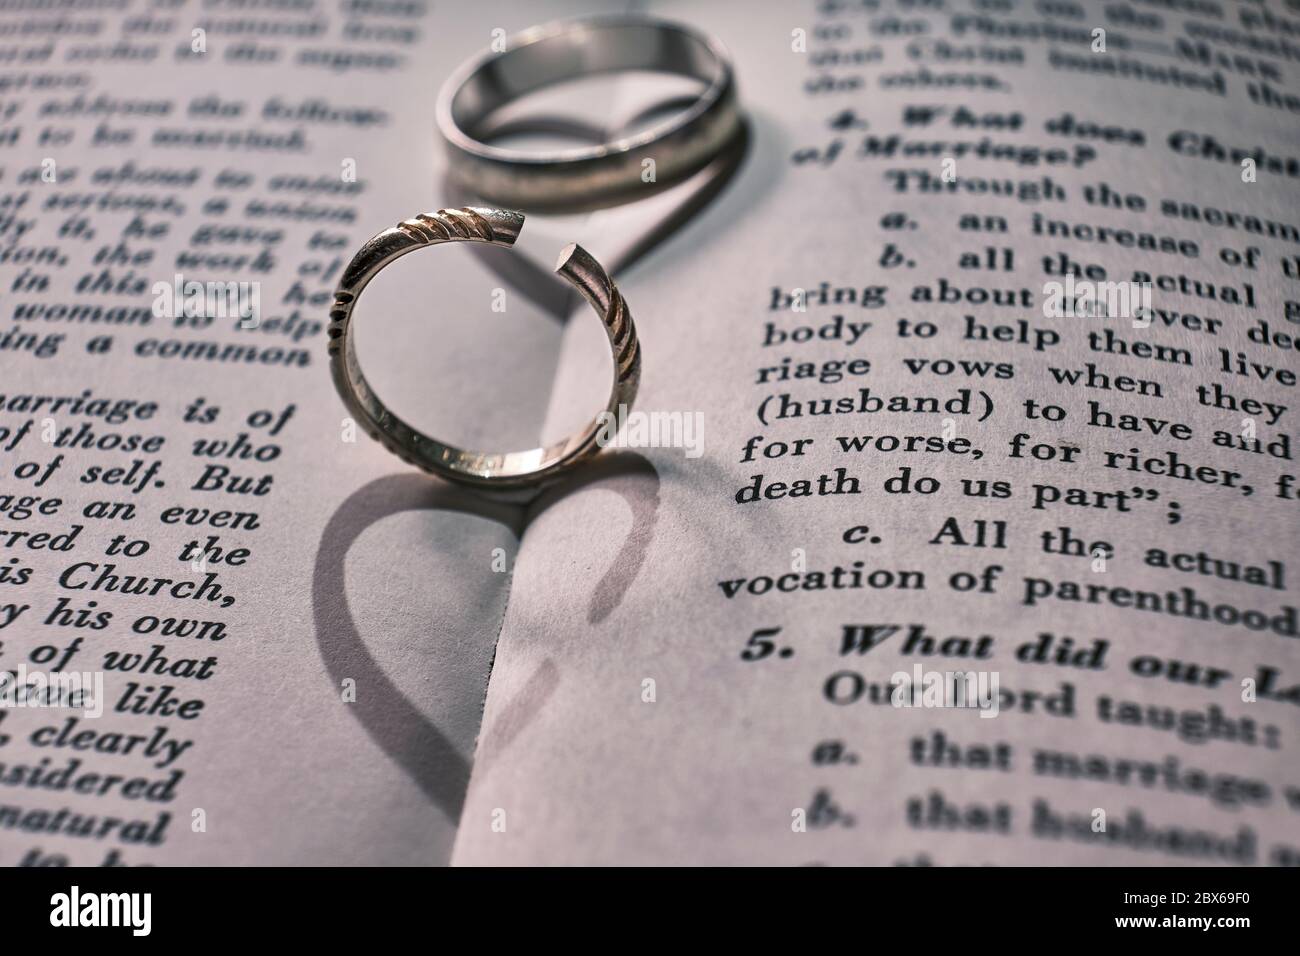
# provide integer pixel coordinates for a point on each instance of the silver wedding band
(486, 470)
(613, 171)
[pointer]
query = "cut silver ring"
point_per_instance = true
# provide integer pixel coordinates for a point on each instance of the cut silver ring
(499, 227)
(596, 175)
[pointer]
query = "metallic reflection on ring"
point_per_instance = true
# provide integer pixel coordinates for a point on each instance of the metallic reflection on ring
(605, 173)
(501, 470)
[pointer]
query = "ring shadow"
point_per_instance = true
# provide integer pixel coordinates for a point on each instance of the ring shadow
(400, 729)
(555, 298)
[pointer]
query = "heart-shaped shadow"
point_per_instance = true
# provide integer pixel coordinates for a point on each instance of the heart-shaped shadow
(396, 724)
(400, 728)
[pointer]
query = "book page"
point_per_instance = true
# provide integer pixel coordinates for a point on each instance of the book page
(285, 631)
(988, 551)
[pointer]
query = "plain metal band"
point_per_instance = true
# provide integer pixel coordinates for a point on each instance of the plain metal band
(568, 50)
(506, 470)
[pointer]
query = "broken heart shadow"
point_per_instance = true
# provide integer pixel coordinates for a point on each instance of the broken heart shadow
(413, 741)
(397, 725)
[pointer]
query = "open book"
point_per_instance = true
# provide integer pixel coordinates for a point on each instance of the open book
(974, 535)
